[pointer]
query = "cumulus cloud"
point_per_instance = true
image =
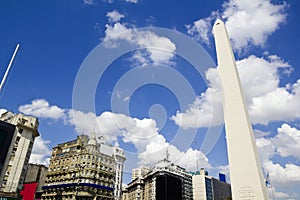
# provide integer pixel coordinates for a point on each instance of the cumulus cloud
(277, 105)
(248, 22)
(204, 111)
(114, 16)
(260, 78)
(286, 143)
(252, 22)
(41, 108)
(40, 152)
(200, 30)
(142, 133)
(190, 159)
(155, 49)
(132, 130)
(150, 145)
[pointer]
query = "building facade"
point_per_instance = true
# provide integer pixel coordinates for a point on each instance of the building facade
(119, 158)
(36, 174)
(139, 172)
(84, 169)
(208, 188)
(14, 167)
(164, 181)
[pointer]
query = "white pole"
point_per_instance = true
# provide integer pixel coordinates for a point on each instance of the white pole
(9, 66)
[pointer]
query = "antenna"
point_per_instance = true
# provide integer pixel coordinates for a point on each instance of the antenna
(167, 154)
(269, 184)
(9, 66)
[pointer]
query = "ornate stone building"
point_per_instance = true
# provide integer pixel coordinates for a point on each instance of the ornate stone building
(84, 169)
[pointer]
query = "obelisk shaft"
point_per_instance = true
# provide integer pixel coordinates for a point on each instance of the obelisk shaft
(246, 177)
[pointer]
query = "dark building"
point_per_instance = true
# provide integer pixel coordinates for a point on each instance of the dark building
(221, 189)
(168, 187)
(164, 181)
(6, 134)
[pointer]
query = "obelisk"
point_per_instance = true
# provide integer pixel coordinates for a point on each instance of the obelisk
(247, 182)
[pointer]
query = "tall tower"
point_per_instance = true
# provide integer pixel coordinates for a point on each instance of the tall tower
(244, 164)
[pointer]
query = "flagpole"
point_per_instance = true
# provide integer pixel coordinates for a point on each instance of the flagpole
(269, 183)
(9, 66)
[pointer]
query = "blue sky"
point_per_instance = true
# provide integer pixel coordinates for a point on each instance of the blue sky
(143, 74)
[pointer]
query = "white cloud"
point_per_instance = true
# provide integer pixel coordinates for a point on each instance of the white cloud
(158, 49)
(200, 30)
(282, 175)
(284, 144)
(252, 22)
(260, 134)
(132, 1)
(114, 16)
(142, 133)
(287, 141)
(190, 159)
(139, 132)
(40, 152)
(41, 108)
(89, 2)
(85, 123)
(277, 105)
(203, 112)
(248, 22)
(280, 195)
(260, 80)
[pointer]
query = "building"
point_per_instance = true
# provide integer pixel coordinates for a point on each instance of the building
(34, 180)
(19, 132)
(139, 172)
(84, 169)
(125, 193)
(164, 181)
(208, 188)
(6, 134)
(120, 158)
